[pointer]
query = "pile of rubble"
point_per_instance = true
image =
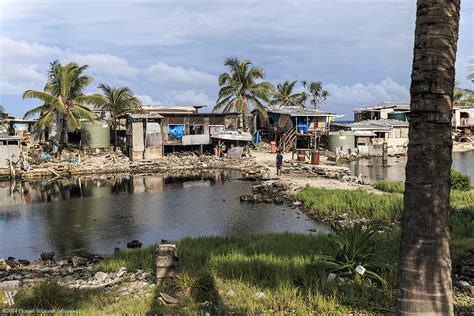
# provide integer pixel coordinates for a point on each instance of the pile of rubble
(249, 167)
(331, 172)
(73, 162)
(267, 192)
(72, 272)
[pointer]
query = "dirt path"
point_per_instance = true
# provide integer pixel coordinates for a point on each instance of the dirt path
(297, 180)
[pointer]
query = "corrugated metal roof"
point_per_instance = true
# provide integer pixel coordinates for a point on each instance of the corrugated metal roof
(374, 124)
(396, 106)
(145, 115)
(298, 111)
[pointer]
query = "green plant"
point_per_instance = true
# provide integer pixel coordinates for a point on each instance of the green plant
(46, 295)
(390, 186)
(460, 181)
(355, 246)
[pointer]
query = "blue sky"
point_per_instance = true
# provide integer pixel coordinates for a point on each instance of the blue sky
(171, 52)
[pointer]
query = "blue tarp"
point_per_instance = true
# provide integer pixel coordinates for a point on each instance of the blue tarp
(176, 130)
(256, 138)
(303, 124)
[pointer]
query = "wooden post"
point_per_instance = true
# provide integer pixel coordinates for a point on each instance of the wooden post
(167, 261)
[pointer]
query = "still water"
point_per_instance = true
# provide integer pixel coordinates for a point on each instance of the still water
(395, 168)
(97, 214)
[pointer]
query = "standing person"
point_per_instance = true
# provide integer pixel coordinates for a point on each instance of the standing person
(279, 162)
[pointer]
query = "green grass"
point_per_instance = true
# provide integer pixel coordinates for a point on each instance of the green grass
(357, 204)
(279, 265)
(390, 186)
(226, 272)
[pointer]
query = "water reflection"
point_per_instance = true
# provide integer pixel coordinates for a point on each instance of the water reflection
(98, 214)
(395, 169)
(16, 192)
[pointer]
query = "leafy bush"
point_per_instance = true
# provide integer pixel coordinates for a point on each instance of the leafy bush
(355, 246)
(460, 181)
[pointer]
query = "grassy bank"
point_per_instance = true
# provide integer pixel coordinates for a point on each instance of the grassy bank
(359, 204)
(230, 274)
(242, 274)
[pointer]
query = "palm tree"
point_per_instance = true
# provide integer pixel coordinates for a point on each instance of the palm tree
(239, 88)
(284, 96)
(470, 70)
(118, 101)
(316, 91)
(64, 99)
(424, 271)
(463, 96)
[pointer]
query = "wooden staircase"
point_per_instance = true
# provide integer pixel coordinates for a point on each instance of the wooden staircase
(287, 142)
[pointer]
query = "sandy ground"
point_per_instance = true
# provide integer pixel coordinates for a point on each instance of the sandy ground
(297, 180)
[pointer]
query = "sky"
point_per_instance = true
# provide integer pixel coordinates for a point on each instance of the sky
(171, 52)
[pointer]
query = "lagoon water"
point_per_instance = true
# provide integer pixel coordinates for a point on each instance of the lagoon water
(395, 168)
(97, 214)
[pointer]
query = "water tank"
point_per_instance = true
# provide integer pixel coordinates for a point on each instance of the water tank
(399, 116)
(341, 140)
(95, 134)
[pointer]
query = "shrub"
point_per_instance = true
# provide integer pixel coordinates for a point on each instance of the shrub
(354, 246)
(460, 181)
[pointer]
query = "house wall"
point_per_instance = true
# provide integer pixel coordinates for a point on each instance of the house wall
(230, 122)
(7, 149)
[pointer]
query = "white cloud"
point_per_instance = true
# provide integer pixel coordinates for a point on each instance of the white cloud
(147, 100)
(105, 64)
(345, 98)
(187, 97)
(165, 73)
(16, 78)
(23, 51)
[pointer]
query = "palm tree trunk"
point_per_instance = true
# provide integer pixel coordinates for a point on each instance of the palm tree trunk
(245, 114)
(115, 134)
(424, 272)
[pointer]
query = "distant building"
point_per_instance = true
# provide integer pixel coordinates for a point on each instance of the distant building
(463, 117)
(164, 129)
(383, 110)
(371, 134)
(10, 148)
(292, 127)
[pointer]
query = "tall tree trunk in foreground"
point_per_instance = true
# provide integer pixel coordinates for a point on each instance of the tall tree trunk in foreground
(424, 272)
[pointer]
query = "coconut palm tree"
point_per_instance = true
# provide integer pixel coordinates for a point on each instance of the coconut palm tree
(470, 70)
(316, 91)
(463, 96)
(284, 96)
(424, 271)
(118, 101)
(240, 89)
(64, 99)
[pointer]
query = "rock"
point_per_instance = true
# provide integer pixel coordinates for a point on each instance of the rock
(101, 276)
(259, 295)
(11, 263)
(45, 256)
(11, 258)
(3, 265)
(62, 263)
(463, 285)
(121, 272)
(78, 261)
(134, 244)
(23, 262)
(10, 285)
(168, 299)
(230, 293)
